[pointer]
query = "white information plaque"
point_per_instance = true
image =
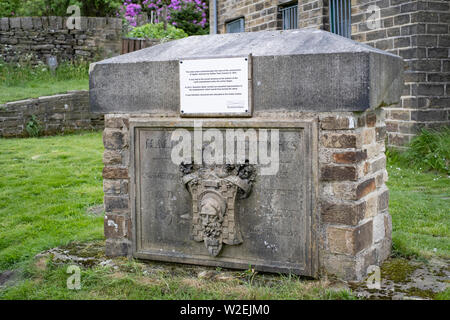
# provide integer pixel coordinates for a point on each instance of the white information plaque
(215, 87)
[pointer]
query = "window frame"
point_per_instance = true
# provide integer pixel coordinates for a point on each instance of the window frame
(282, 9)
(340, 17)
(240, 20)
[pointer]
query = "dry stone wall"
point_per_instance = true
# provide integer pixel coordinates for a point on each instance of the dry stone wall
(59, 113)
(37, 38)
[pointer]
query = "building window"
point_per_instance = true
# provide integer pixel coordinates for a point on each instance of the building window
(340, 17)
(236, 26)
(289, 17)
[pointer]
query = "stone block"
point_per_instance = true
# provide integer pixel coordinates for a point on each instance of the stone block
(368, 136)
(117, 226)
(116, 204)
(301, 67)
(338, 173)
(117, 247)
(348, 240)
(116, 122)
(14, 23)
(111, 186)
(350, 157)
(365, 188)
(112, 157)
(115, 173)
(383, 200)
(4, 24)
(378, 228)
(26, 23)
(337, 123)
(114, 139)
(346, 213)
(339, 140)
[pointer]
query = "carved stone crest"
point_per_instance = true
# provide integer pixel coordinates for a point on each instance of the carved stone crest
(214, 190)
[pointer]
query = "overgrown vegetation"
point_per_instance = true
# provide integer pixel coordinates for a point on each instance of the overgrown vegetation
(190, 15)
(156, 31)
(429, 150)
(24, 80)
(89, 8)
(33, 127)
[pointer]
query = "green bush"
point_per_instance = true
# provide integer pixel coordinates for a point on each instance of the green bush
(156, 31)
(429, 150)
(9, 8)
(184, 17)
(89, 8)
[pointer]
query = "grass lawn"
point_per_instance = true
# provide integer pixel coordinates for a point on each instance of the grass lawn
(37, 88)
(420, 208)
(22, 81)
(47, 185)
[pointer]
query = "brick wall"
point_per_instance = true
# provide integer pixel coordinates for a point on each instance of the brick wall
(418, 31)
(59, 113)
(41, 37)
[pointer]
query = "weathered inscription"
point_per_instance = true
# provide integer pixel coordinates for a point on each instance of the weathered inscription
(274, 221)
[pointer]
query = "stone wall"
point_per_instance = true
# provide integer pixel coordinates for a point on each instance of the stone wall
(354, 230)
(313, 13)
(116, 179)
(60, 113)
(259, 15)
(353, 197)
(263, 14)
(40, 37)
(418, 31)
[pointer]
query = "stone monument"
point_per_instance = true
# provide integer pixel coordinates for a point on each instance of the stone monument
(261, 149)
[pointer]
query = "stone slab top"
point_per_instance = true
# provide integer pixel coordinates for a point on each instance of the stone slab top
(294, 70)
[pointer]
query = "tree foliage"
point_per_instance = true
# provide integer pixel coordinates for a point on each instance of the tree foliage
(89, 8)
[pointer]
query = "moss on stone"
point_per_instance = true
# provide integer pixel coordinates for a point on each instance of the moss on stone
(417, 292)
(95, 249)
(397, 269)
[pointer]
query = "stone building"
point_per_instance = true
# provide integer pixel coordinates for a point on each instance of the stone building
(418, 31)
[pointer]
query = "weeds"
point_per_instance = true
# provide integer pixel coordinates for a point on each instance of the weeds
(34, 127)
(25, 79)
(429, 150)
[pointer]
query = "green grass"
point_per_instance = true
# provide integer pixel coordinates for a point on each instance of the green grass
(130, 282)
(45, 187)
(419, 205)
(48, 183)
(419, 183)
(22, 80)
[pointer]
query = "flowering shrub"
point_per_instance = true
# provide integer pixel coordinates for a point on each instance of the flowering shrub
(130, 11)
(156, 31)
(189, 15)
